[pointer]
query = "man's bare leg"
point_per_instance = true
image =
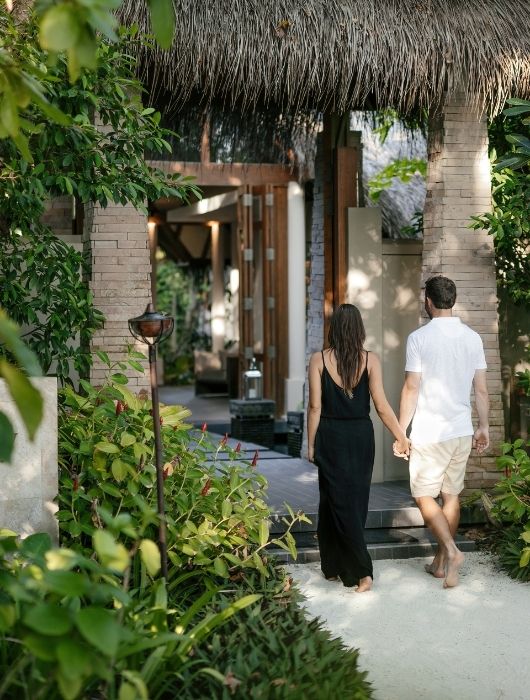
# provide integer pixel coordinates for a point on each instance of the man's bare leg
(437, 522)
(451, 510)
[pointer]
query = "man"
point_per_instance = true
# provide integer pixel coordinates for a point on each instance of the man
(444, 359)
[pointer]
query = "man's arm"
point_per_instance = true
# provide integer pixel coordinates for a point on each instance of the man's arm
(481, 438)
(409, 398)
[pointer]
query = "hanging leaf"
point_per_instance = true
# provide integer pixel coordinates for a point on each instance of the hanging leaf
(7, 438)
(28, 400)
(162, 21)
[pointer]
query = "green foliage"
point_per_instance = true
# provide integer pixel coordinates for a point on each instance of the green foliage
(71, 626)
(28, 400)
(385, 119)
(509, 227)
(519, 156)
(42, 285)
(216, 512)
(182, 292)
(404, 169)
(71, 29)
(512, 508)
(508, 222)
(273, 651)
(41, 277)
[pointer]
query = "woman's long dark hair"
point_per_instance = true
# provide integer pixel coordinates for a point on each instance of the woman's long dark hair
(346, 338)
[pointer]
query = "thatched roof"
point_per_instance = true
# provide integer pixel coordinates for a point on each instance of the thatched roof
(338, 55)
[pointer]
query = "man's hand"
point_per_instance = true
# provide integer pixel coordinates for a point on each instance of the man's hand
(481, 439)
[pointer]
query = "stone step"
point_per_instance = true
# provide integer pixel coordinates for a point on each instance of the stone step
(382, 544)
(401, 517)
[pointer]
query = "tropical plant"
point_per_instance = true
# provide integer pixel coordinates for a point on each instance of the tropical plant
(70, 28)
(508, 223)
(217, 518)
(511, 508)
(71, 625)
(519, 155)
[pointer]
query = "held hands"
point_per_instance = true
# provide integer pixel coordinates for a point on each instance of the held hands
(481, 439)
(401, 448)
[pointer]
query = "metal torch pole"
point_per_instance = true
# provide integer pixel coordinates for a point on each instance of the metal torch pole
(158, 461)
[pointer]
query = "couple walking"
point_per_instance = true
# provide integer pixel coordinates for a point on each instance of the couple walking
(444, 359)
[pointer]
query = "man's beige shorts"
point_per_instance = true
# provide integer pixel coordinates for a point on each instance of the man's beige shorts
(439, 467)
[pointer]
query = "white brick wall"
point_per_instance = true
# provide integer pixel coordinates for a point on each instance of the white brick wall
(458, 187)
(115, 237)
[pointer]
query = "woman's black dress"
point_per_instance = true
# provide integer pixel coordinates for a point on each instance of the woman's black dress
(344, 454)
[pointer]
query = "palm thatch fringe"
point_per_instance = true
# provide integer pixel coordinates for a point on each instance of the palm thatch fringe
(337, 55)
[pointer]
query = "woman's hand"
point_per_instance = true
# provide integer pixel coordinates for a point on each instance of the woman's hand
(311, 454)
(401, 447)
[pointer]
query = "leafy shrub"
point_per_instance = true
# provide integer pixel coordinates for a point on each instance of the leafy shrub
(216, 514)
(71, 626)
(512, 509)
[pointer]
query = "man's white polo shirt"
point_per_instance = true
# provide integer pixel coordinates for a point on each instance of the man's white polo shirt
(447, 353)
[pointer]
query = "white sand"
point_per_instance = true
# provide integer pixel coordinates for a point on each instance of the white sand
(419, 641)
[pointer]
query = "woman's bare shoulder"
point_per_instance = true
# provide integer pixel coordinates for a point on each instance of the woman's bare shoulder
(372, 360)
(316, 359)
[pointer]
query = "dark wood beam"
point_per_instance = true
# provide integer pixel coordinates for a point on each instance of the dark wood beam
(236, 174)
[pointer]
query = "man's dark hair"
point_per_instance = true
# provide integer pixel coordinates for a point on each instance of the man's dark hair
(441, 291)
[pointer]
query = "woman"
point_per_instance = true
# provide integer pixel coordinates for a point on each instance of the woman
(341, 443)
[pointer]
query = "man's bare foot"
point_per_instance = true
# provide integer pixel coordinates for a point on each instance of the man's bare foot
(365, 584)
(436, 568)
(454, 562)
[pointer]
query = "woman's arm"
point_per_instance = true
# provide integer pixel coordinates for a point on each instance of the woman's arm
(315, 398)
(383, 408)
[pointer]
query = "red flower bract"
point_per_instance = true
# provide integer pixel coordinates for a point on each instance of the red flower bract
(120, 406)
(238, 447)
(255, 458)
(224, 440)
(206, 487)
(204, 426)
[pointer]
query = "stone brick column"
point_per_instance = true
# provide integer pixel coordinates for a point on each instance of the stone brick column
(116, 240)
(458, 187)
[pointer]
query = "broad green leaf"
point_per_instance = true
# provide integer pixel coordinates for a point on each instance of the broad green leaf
(9, 336)
(162, 21)
(42, 647)
(7, 438)
(66, 583)
(8, 616)
(107, 447)
(226, 508)
(112, 554)
(127, 439)
(525, 536)
(119, 469)
(61, 559)
(49, 619)
(73, 659)
(100, 628)
(263, 532)
(525, 557)
(36, 545)
(59, 28)
(28, 400)
(69, 686)
(150, 554)
(220, 567)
